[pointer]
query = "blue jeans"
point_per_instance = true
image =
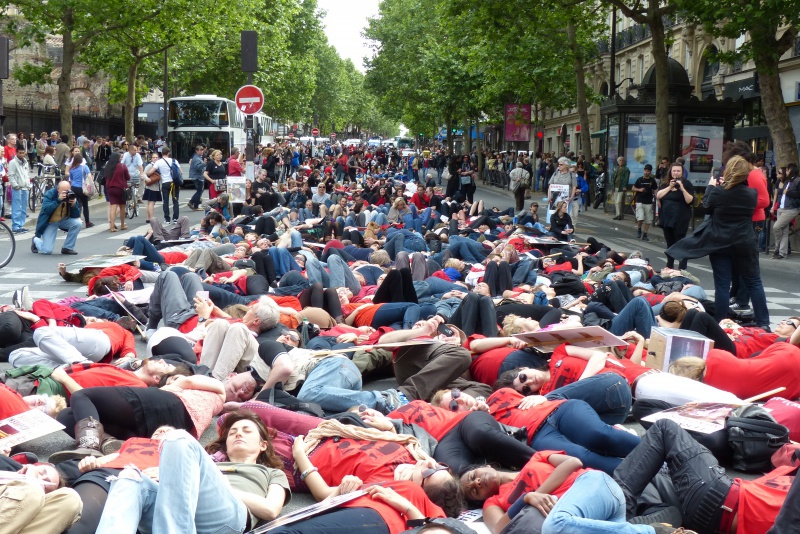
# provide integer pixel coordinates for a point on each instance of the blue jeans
(467, 249)
(191, 496)
(436, 287)
(594, 504)
(19, 208)
(142, 247)
(198, 192)
(636, 315)
(284, 261)
(91, 309)
(168, 191)
(47, 241)
(608, 394)
(722, 265)
(335, 384)
(398, 315)
(575, 428)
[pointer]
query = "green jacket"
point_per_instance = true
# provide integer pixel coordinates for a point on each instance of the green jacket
(40, 374)
(621, 177)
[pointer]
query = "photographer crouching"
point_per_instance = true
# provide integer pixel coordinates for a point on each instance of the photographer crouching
(59, 211)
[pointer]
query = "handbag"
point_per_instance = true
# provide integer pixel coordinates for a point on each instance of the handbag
(753, 437)
(466, 179)
(221, 185)
(89, 187)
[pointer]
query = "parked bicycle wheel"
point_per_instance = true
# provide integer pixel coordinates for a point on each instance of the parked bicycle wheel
(7, 245)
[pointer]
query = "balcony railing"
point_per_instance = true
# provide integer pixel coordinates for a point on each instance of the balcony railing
(636, 33)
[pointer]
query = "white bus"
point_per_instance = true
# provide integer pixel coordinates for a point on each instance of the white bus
(210, 120)
(265, 127)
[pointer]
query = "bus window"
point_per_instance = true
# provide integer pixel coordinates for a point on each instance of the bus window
(198, 113)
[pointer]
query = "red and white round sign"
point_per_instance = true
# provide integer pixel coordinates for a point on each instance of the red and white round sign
(333, 135)
(291, 135)
(315, 132)
(249, 99)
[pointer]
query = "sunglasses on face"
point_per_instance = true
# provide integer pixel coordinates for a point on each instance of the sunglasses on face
(428, 472)
(789, 322)
(526, 389)
(455, 393)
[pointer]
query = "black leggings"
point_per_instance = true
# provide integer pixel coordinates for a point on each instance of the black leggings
(672, 237)
(265, 265)
(339, 521)
(172, 346)
(337, 252)
(84, 200)
(498, 277)
(105, 405)
(265, 225)
(94, 498)
(318, 297)
(396, 287)
(479, 439)
(257, 284)
(476, 315)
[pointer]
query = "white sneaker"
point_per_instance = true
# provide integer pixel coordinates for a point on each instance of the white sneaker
(148, 334)
(25, 298)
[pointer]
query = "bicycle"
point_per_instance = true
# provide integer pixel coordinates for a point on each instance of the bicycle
(45, 181)
(7, 244)
(131, 201)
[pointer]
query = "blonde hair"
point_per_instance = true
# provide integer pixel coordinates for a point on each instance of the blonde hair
(455, 263)
(736, 171)
(398, 201)
(214, 153)
(437, 397)
(380, 257)
(509, 325)
(689, 367)
(237, 311)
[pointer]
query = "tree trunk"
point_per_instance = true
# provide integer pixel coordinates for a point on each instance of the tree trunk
(130, 98)
(663, 137)
(580, 86)
(780, 127)
(65, 78)
(449, 124)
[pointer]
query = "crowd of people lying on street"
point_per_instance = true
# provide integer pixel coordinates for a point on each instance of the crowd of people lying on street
(267, 324)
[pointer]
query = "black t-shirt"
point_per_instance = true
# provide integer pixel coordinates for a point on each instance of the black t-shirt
(215, 171)
(649, 185)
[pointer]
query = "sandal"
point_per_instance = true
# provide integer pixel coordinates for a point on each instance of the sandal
(112, 228)
(123, 227)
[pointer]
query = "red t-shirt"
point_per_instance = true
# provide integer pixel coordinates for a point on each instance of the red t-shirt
(11, 402)
(503, 407)
(97, 375)
(567, 266)
(396, 522)
(760, 500)
(566, 369)
(122, 341)
(778, 365)
(485, 367)
(371, 461)
(757, 181)
(366, 315)
(174, 258)
(748, 341)
(436, 421)
(530, 478)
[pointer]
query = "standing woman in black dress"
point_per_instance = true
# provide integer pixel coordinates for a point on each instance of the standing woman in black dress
(676, 195)
(215, 174)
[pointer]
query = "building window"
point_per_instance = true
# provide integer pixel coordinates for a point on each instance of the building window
(740, 41)
(641, 69)
(711, 68)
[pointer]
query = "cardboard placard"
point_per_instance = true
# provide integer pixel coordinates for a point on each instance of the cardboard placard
(669, 344)
(702, 417)
(25, 427)
(591, 337)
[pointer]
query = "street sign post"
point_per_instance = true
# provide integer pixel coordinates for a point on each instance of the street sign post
(249, 99)
(315, 132)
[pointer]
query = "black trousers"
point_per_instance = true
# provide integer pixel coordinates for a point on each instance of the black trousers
(479, 439)
(498, 277)
(84, 200)
(398, 286)
(265, 265)
(318, 297)
(672, 237)
(339, 521)
(476, 315)
(701, 484)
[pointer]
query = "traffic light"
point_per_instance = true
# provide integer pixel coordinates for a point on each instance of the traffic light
(539, 134)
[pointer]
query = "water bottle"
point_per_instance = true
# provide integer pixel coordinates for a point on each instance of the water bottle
(516, 219)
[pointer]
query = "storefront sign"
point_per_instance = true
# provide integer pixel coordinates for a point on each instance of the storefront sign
(742, 89)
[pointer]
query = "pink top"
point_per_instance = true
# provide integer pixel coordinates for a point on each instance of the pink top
(201, 406)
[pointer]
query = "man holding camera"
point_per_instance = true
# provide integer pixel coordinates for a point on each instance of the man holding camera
(59, 211)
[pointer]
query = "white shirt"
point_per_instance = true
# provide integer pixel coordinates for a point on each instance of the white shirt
(163, 168)
(133, 163)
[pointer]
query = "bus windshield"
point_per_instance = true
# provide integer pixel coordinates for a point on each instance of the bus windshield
(183, 143)
(198, 113)
(405, 142)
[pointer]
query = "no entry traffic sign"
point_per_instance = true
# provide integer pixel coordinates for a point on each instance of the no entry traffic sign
(249, 99)
(315, 132)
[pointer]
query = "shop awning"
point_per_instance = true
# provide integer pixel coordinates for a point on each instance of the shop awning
(599, 133)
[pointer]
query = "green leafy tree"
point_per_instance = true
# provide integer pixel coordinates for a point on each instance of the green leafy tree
(772, 28)
(78, 23)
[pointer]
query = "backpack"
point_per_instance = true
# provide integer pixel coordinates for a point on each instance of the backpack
(753, 437)
(175, 172)
(276, 396)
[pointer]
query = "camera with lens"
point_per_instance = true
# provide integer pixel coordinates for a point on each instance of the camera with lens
(70, 196)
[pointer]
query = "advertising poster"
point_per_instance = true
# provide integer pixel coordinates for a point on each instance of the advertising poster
(613, 145)
(701, 147)
(640, 148)
(518, 122)
(555, 194)
(237, 189)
